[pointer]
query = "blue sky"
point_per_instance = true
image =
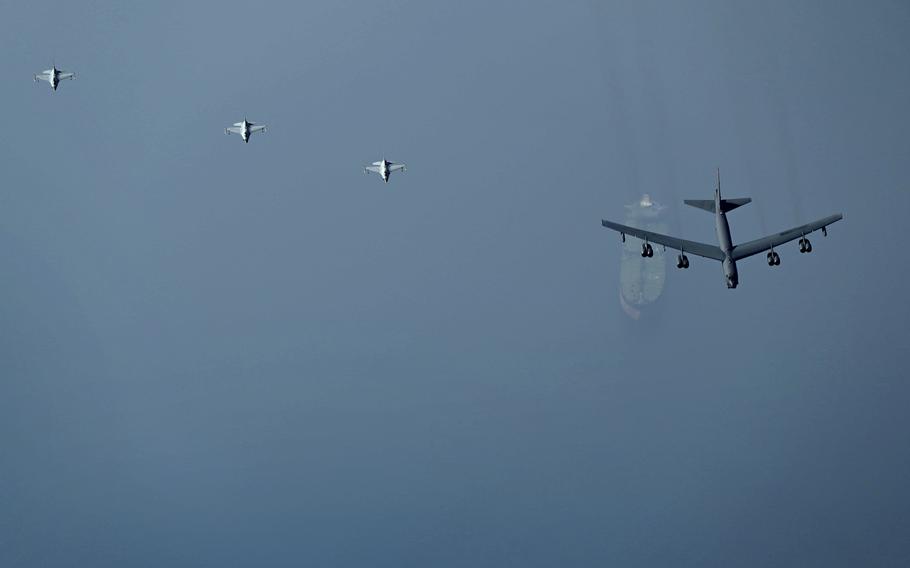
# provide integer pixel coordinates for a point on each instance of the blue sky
(218, 354)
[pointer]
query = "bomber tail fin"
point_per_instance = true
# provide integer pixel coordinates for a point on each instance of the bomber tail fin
(725, 204)
(731, 204)
(706, 204)
(711, 205)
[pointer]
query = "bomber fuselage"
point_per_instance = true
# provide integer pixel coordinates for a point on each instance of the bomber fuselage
(725, 241)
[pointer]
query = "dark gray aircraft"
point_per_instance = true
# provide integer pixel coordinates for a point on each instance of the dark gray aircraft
(727, 252)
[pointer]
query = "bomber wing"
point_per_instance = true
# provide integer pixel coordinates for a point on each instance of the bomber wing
(765, 243)
(696, 248)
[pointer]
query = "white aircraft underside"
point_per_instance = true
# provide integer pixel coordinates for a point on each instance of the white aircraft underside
(54, 76)
(384, 168)
(245, 129)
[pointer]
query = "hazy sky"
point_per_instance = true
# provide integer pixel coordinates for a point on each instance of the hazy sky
(220, 354)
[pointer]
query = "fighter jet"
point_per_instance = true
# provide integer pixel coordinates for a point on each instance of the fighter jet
(244, 129)
(727, 253)
(54, 76)
(384, 168)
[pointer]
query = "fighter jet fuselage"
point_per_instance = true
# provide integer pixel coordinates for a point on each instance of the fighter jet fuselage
(384, 168)
(245, 129)
(53, 76)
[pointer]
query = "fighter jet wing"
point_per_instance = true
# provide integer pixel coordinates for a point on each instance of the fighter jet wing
(396, 167)
(258, 128)
(63, 76)
(233, 130)
(765, 243)
(375, 169)
(700, 249)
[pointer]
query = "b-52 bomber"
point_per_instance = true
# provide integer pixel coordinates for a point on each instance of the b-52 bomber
(727, 253)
